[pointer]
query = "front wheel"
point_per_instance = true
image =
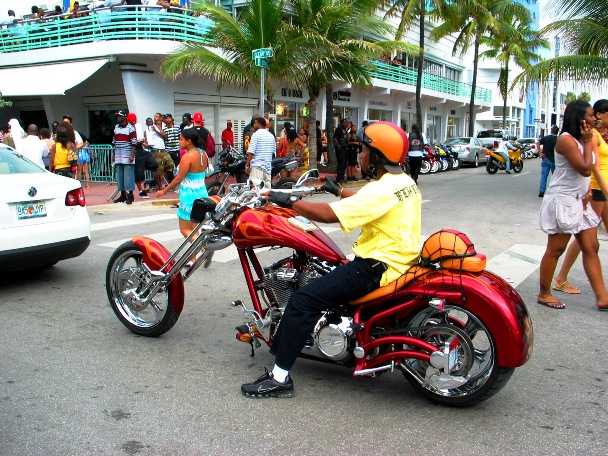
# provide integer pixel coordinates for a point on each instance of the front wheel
(125, 277)
(518, 166)
(456, 163)
(476, 161)
(473, 375)
(425, 167)
(214, 188)
(241, 178)
(491, 166)
(436, 166)
(285, 183)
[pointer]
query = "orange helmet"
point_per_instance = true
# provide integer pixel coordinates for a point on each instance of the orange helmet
(387, 140)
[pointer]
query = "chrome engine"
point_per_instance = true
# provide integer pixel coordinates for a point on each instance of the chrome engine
(332, 336)
(284, 277)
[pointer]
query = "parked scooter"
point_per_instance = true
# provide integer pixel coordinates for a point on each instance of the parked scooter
(231, 162)
(496, 161)
(288, 164)
(455, 330)
(430, 162)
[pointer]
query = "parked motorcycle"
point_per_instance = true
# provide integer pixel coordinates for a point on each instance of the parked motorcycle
(496, 162)
(230, 163)
(288, 164)
(430, 162)
(445, 159)
(456, 162)
(455, 330)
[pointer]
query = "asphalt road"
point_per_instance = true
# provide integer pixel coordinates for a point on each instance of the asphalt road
(74, 381)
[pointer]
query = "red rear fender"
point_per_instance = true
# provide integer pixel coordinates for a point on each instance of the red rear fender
(155, 255)
(494, 302)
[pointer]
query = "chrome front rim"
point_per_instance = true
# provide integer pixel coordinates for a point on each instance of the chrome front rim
(127, 279)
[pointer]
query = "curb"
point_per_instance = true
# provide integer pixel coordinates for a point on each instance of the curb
(136, 206)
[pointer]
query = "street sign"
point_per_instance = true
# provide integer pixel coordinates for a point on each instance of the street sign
(262, 53)
(538, 120)
(261, 62)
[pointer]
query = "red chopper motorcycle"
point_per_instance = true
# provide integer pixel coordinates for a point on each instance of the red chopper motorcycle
(455, 330)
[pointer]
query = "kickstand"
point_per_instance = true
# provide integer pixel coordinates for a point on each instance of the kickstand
(254, 340)
(252, 349)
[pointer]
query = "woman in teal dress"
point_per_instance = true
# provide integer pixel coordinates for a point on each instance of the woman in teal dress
(190, 178)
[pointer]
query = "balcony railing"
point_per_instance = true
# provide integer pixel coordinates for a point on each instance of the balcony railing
(404, 75)
(146, 23)
(104, 25)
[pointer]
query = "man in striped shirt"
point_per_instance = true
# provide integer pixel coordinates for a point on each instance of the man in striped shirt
(260, 153)
(172, 132)
(125, 140)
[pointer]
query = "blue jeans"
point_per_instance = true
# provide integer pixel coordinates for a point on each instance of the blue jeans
(345, 283)
(125, 177)
(546, 166)
(506, 157)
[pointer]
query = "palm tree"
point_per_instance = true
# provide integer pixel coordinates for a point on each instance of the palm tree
(414, 12)
(470, 20)
(515, 42)
(584, 36)
(259, 24)
(342, 36)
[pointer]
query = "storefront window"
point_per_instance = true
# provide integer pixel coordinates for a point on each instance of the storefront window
(433, 129)
(374, 115)
(452, 131)
(407, 120)
(286, 112)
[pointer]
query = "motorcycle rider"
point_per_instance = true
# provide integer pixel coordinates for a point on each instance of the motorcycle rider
(388, 211)
(503, 150)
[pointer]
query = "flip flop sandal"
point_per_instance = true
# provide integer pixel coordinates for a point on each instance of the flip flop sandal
(566, 287)
(552, 304)
(174, 206)
(603, 309)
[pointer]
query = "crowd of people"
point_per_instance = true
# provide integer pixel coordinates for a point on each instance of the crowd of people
(39, 14)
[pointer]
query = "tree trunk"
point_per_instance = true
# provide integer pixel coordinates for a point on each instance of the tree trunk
(314, 93)
(329, 125)
(473, 87)
(420, 68)
(505, 92)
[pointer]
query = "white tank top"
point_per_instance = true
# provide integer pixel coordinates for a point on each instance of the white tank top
(566, 180)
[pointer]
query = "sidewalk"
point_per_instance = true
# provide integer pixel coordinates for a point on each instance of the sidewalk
(97, 197)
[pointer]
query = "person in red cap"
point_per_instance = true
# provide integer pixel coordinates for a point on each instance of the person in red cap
(228, 136)
(206, 137)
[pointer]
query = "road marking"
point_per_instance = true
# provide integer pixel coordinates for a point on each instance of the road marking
(521, 174)
(131, 221)
(517, 262)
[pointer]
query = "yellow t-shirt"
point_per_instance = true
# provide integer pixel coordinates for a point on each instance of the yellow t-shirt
(602, 156)
(389, 213)
(61, 156)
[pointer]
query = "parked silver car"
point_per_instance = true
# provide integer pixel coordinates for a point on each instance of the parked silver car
(470, 150)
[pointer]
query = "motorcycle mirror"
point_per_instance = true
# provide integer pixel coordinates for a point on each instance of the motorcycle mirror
(310, 174)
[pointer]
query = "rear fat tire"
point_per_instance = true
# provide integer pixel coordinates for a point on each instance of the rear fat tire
(491, 167)
(152, 320)
(476, 358)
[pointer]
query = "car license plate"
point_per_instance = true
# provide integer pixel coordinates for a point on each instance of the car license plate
(30, 209)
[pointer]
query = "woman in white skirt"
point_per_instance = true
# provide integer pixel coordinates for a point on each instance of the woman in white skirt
(565, 211)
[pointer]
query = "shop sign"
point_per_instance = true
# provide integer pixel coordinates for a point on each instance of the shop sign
(378, 103)
(342, 95)
(291, 93)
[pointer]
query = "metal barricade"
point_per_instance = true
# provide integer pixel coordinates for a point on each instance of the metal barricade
(101, 168)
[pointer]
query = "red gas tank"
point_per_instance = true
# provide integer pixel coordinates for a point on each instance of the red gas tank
(275, 226)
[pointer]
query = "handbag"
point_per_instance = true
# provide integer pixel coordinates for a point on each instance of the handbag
(72, 153)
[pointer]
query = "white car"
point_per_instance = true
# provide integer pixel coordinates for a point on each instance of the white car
(43, 216)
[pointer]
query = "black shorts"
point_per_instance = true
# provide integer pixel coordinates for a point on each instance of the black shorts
(597, 195)
(143, 161)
